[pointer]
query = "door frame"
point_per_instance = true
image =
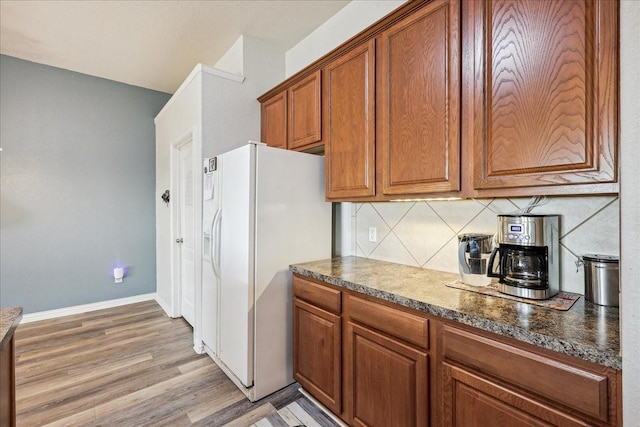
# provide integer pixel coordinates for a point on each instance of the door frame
(193, 135)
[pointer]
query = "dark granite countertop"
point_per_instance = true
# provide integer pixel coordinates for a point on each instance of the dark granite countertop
(9, 319)
(587, 331)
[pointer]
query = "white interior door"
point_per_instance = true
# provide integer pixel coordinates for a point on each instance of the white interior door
(185, 238)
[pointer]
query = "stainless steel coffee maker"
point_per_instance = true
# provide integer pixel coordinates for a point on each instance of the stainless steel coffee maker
(527, 252)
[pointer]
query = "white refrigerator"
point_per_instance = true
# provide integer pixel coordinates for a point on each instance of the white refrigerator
(264, 209)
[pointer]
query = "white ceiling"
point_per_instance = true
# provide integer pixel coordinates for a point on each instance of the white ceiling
(149, 43)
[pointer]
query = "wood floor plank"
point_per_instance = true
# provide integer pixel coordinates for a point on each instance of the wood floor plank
(224, 396)
(161, 407)
(302, 415)
(126, 366)
(104, 388)
(147, 393)
(196, 364)
(289, 417)
(70, 380)
(93, 351)
(318, 415)
(275, 420)
(252, 416)
(44, 367)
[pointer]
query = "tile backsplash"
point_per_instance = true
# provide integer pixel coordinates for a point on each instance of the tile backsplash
(424, 233)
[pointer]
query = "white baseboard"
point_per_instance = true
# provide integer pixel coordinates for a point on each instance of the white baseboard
(84, 308)
(165, 306)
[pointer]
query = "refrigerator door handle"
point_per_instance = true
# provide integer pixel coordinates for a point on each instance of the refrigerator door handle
(215, 241)
(211, 240)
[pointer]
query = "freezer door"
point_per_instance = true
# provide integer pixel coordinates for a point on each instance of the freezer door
(237, 237)
(210, 261)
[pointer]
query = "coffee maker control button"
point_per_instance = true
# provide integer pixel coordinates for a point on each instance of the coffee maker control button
(510, 236)
(526, 237)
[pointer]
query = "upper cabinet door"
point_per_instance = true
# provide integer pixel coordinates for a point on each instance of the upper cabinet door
(418, 101)
(545, 93)
(273, 116)
(349, 120)
(304, 112)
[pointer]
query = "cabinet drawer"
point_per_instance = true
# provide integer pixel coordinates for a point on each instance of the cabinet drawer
(568, 385)
(413, 329)
(318, 295)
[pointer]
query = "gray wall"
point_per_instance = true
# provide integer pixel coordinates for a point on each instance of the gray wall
(77, 187)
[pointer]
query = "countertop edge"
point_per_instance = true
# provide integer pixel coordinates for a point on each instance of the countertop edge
(9, 319)
(556, 344)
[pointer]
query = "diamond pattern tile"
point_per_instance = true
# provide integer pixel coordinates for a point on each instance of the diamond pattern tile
(457, 213)
(571, 277)
(599, 234)
(573, 210)
(422, 232)
(392, 250)
(369, 217)
(392, 212)
(446, 258)
(425, 233)
(487, 220)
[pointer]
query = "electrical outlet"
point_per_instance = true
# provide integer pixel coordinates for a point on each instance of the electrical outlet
(373, 234)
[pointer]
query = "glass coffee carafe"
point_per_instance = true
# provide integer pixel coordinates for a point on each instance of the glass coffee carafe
(525, 267)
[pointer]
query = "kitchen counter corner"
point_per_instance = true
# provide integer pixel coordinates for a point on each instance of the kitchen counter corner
(9, 320)
(587, 331)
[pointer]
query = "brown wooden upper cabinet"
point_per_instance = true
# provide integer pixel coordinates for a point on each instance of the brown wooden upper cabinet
(273, 117)
(412, 143)
(291, 118)
(304, 112)
(544, 94)
(418, 101)
(486, 98)
(349, 126)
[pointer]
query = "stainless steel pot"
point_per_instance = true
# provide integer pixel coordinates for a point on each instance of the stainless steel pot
(601, 279)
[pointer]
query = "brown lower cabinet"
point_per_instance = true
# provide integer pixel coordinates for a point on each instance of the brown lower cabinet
(318, 353)
(7, 383)
(385, 355)
(375, 363)
(7, 366)
(487, 381)
(317, 348)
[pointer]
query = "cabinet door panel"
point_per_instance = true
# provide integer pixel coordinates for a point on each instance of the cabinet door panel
(387, 380)
(273, 127)
(350, 124)
(545, 93)
(419, 101)
(317, 353)
(304, 112)
(589, 390)
(471, 400)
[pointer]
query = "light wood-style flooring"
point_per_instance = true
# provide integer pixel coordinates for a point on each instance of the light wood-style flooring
(126, 366)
